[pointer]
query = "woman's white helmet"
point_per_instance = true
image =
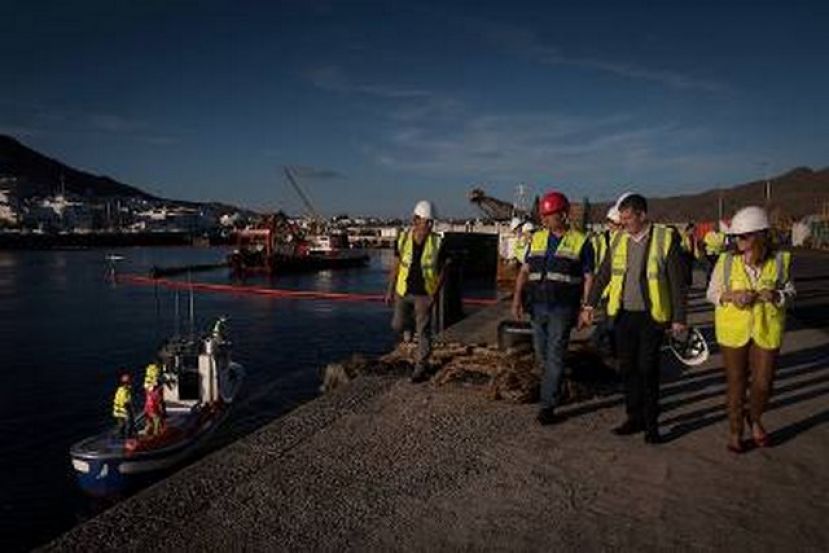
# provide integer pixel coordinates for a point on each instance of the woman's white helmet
(613, 215)
(424, 210)
(528, 227)
(749, 219)
(515, 224)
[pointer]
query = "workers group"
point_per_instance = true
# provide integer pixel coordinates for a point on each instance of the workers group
(638, 272)
(154, 413)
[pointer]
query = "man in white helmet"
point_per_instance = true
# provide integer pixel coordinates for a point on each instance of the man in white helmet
(415, 279)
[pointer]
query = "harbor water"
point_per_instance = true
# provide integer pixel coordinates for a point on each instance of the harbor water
(66, 332)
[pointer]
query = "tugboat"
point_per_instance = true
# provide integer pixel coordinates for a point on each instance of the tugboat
(200, 382)
(279, 246)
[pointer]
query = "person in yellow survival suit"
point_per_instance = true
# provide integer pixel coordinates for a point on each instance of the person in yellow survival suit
(122, 410)
(153, 400)
(750, 289)
(415, 279)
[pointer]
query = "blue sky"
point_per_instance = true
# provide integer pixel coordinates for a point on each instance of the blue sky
(385, 103)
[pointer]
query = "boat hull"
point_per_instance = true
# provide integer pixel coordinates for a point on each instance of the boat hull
(280, 263)
(107, 465)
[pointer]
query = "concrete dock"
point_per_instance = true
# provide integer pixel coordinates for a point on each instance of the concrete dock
(386, 465)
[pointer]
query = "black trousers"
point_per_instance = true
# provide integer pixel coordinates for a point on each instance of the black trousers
(638, 342)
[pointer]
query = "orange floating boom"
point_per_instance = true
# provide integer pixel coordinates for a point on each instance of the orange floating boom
(270, 292)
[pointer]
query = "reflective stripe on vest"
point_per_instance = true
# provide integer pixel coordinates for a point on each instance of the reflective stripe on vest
(428, 262)
(659, 293)
(763, 322)
(122, 399)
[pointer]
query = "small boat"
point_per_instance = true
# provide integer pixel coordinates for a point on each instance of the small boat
(200, 384)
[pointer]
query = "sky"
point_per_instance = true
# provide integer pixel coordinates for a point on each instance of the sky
(379, 104)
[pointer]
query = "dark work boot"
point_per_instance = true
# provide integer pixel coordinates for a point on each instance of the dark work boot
(653, 437)
(547, 416)
(419, 374)
(628, 427)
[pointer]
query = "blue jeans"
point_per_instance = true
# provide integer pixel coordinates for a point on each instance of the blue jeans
(551, 333)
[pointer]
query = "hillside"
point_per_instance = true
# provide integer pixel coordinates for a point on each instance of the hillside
(38, 175)
(796, 193)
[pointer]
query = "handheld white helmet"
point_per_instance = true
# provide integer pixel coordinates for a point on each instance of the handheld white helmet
(690, 350)
(749, 219)
(514, 224)
(424, 210)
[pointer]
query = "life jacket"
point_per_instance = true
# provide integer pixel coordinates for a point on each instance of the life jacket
(659, 293)
(151, 376)
(556, 276)
(428, 262)
(121, 402)
(762, 322)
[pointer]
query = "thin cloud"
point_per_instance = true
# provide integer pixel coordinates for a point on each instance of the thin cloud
(316, 173)
(527, 44)
(39, 120)
(552, 146)
(335, 79)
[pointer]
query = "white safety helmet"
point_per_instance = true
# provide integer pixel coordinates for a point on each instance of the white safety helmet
(528, 227)
(749, 219)
(691, 349)
(424, 210)
(514, 224)
(613, 214)
(621, 198)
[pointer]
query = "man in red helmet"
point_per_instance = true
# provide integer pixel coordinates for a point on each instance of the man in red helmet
(553, 282)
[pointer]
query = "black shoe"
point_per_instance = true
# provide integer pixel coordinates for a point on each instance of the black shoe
(653, 437)
(628, 427)
(547, 416)
(419, 375)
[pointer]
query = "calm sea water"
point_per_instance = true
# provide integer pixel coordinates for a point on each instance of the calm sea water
(65, 331)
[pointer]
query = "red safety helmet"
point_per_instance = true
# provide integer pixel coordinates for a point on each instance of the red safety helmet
(553, 202)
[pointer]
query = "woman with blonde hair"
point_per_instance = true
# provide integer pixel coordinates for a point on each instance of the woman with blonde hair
(750, 288)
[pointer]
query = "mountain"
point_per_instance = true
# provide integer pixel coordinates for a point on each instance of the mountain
(794, 194)
(39, 175)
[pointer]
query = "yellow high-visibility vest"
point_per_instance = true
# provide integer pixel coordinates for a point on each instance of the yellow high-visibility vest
(519, 247)
(121, 401)
(567, 251)
(658, 291)
(151, 376)
(428, 262)
(762, 322)
(597, 239)
(714, 242)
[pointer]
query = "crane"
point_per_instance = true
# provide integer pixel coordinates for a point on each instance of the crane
(289, 173)
(495, 209)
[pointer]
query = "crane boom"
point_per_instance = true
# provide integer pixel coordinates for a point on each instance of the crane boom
(494, 208)
(301, 193)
